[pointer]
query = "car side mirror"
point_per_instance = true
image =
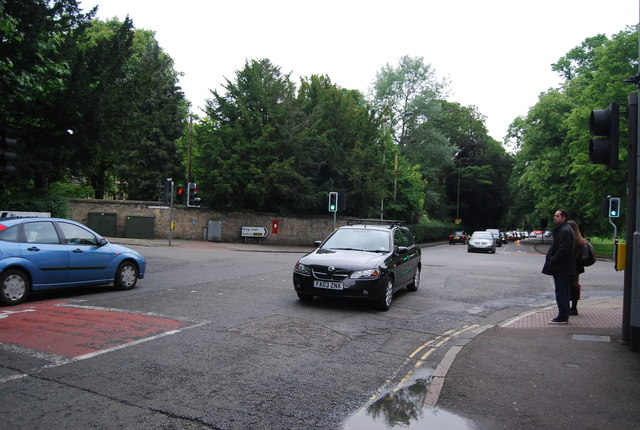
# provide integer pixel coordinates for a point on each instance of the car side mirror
(102, 241)
(402, 250)
(317, 243)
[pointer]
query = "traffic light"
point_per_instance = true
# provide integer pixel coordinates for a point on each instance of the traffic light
(614, 207)
(7, 156)
(193, 201)
(333, 201)
(180, 195)
(342, 200)
(165, 193)
(605, 123)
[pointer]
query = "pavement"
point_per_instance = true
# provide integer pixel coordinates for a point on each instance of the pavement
(528, 374)
(525, 373)
(252, 246)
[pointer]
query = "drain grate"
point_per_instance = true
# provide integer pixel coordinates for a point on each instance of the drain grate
(591, 338)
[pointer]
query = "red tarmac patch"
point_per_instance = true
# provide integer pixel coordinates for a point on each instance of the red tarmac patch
(58, 327)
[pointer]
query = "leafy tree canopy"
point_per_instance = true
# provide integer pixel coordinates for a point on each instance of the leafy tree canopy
(552, 164)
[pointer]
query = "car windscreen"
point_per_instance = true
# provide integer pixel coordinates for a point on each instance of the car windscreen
(482, 235)
(359, 240)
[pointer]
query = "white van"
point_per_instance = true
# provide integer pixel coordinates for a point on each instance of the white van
(496, 235)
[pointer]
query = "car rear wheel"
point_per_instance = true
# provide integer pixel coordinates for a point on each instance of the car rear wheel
(14, 287)
(416, 281)
(384, 303)
(126, 276)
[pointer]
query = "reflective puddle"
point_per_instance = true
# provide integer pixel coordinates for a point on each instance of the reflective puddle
(403, 408)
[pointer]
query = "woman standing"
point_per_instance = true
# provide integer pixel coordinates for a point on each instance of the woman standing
(574, 294)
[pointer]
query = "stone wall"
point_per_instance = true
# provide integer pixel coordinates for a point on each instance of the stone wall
(192, 223)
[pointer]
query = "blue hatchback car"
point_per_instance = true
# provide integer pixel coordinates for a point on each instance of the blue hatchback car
(46, 253)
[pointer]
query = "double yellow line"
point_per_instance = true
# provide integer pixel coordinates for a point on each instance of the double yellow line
(430, 347)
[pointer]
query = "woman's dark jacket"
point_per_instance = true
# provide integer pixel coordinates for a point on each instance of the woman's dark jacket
(560, 257)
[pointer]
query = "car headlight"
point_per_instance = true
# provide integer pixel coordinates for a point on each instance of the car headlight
(302, 269)
(366, 274)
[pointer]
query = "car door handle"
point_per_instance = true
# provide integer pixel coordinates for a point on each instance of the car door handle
(33, 248)
(78, 251)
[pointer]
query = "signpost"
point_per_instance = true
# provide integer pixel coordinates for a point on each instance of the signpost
(24, 214)
(254, 232)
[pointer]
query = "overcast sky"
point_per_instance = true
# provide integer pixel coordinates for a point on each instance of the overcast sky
(497, 54)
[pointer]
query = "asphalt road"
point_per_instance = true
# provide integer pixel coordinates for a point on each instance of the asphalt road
(215, 338)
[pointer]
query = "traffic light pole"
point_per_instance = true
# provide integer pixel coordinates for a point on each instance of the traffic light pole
(631, 298)
(170, 211)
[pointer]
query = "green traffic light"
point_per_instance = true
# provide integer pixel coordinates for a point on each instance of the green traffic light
(333, 201)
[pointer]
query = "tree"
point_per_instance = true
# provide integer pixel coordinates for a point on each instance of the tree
(338, 146)
(126, 111)
(542, 169)
(243, 158)
(552, 139)
(102, 104)
(157, 120)
(408, 96)
(478, 181)
(36, 38)
(287, 150)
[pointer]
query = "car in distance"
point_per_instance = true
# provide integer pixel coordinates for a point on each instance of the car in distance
(481, 241)
(46, 253)
(367, 259)
(496, 235)
(458, 237)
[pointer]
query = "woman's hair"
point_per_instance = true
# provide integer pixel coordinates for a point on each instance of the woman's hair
(576, 232)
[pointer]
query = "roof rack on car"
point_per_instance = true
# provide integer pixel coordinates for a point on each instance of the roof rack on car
(352, 221)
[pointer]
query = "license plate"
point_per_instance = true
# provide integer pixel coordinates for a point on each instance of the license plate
(328, 285)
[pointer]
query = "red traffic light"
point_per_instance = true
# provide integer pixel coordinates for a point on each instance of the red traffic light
(193, 201)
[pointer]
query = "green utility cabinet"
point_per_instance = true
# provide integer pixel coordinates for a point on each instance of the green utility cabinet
(140, 227)
(103, 223)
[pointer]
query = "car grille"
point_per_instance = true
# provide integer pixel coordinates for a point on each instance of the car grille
(323, 273)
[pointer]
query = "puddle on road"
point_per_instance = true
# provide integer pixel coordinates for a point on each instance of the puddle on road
(404, 409)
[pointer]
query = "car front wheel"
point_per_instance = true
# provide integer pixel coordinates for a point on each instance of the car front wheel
(14, 287)
(126, 276)
(416, 281)
(384, 303)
